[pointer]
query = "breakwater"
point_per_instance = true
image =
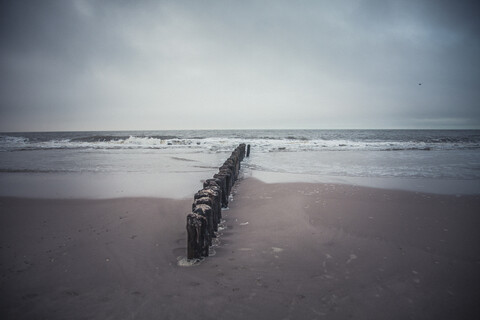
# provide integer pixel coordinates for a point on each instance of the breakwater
(203, 221)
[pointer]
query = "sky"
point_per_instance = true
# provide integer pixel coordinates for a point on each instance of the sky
(157, 65)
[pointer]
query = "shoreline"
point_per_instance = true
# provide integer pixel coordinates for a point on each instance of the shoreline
(417, 185)
(184, 185)
(289, 250)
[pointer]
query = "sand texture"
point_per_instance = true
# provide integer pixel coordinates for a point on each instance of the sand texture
(289, 251)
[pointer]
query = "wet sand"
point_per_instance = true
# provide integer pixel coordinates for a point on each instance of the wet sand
(289, 251)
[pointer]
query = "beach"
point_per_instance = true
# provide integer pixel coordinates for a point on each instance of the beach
(276, 160)
(288, 251)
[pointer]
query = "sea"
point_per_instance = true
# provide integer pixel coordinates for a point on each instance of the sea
(109, 164)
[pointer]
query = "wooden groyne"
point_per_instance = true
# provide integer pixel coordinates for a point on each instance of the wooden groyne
(202, 222)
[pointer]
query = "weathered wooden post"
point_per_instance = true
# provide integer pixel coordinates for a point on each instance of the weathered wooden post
(210, 182)
(215, 185)
(236, 158)
(248, 150)
(225, 171)
(197, 246)
(230, 165)
(215, 200)
(242, 151)
(207, 212)
(209, 202)
(223, 185)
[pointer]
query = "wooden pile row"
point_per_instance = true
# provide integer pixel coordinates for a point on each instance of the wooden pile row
(202, 222)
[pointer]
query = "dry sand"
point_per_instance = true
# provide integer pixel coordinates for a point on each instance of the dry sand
(290, 251)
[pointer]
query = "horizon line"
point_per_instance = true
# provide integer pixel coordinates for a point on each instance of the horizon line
(251, 129)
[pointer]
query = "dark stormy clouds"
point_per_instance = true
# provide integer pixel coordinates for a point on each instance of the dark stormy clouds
(119, 65)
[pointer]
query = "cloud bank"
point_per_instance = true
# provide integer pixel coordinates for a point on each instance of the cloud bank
(121, 65)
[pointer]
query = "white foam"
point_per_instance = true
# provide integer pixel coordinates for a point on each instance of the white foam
(184, 262)
(227, 144)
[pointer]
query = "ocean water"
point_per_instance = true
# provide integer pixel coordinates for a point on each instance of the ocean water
(173, 163)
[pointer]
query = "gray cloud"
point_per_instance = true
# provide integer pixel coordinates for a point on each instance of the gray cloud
(101, 65)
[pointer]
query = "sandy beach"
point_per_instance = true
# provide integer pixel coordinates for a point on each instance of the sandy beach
(289, 251)
(239, 160)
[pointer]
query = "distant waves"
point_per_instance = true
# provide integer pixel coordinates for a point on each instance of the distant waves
(261, 140)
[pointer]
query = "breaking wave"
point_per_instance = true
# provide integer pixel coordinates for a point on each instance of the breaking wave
(261, 140)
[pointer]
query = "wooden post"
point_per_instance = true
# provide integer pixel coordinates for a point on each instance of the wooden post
(209, 202)
(213, 194)
(225, 171)
(248, 151)
(216, 191)
(223, 185)
(207, 212)
(196, 229)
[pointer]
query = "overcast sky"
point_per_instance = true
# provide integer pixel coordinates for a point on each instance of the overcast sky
(126, 65)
